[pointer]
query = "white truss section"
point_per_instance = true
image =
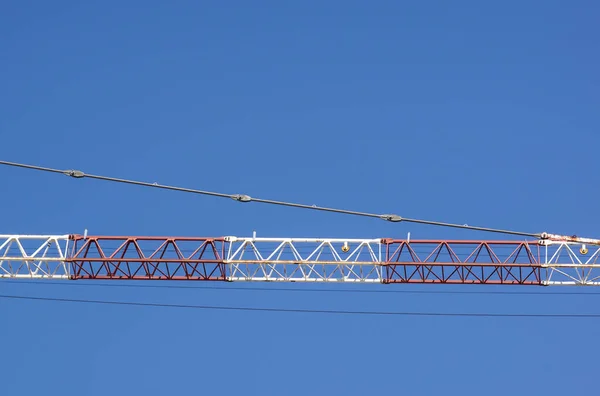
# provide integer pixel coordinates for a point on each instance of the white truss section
(304, 260)
(572, 264)
(34, 256)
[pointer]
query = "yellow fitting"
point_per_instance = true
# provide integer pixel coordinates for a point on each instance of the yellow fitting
(345, 247)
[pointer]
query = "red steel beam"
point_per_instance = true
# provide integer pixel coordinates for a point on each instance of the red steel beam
(197, 258)
(462, 262)
(152, 258)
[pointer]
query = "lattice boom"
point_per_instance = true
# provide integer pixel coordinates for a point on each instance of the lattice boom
(387, 261)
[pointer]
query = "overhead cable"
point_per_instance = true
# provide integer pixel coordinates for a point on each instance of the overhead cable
(294, 310)
(78, 174)
(304, 290)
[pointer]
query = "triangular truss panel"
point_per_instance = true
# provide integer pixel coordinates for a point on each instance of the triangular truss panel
(304, 260)
(152, 258)
(571, 264)
(34, 256)
(477, 262)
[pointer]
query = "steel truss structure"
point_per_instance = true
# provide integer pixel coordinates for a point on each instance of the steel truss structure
(34, 256)
(538, 262)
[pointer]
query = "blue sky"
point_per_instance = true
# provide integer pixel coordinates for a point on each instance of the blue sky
(462, 111)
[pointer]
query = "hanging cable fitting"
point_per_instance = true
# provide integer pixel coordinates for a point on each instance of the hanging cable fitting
(391, 217)
(241, 198)
(547, 238)
(74, 173)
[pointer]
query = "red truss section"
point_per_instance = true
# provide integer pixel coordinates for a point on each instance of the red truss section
(152, 258)
(464, 262)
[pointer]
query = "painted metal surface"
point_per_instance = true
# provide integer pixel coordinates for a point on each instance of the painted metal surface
(34, 256)
(151, 258)
(388, 261)
(305, 260)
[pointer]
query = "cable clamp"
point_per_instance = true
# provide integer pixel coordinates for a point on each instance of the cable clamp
(74, 173)
(241, 198)
(391, 217)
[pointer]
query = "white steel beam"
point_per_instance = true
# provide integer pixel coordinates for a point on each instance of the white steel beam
(571, 264)
(304, 260)
(34, 256)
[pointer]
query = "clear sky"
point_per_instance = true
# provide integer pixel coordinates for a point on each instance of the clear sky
(463, 111)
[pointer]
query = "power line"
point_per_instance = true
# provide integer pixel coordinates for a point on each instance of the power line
(293, 310)
(246, 198)
(304, 290)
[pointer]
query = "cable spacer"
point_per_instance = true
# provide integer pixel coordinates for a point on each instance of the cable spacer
(391, 217)
(241, 198)
(74, 173)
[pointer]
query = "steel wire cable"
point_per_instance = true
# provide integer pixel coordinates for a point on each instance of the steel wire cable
(246, 198)
(297, 310)
(87, 283)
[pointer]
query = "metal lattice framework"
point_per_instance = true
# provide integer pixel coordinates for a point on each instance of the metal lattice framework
(153, 258)
(304, 260)
(538, 262)
(479, 262)
(34, 256)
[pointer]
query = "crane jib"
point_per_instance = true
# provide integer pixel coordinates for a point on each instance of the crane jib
(250, 259)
